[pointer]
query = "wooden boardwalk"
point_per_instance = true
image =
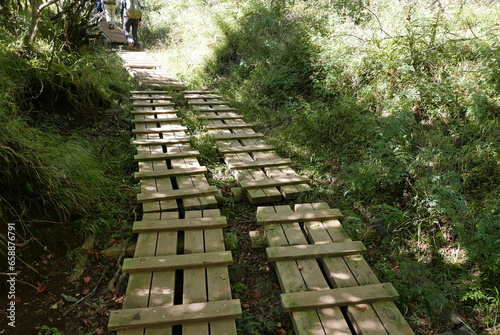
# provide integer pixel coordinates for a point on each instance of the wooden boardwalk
(179, 279)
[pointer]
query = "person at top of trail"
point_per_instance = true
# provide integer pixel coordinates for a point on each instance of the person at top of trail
(131, 17)
(109, 11)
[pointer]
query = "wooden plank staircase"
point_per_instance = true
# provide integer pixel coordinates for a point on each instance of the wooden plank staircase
(179, 278)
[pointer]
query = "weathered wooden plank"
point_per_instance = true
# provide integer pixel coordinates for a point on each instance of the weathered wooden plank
(163, 129)
(259, 164)
(150, 92)
(157, 263)
(170, 173)
(327, 214)
(226, 116)
(155, 97)
(218, 108)
(162, 141)
(179, 224)
(225, 137)
(207, 103)
(201, 96)
(157, 120)
(149, 196)
(338, 297)
(243, 149)
(229, 126)
(153, 111)
(153, 104)
(273, 182)
(175, 314)
(314, 250)
(166, 155)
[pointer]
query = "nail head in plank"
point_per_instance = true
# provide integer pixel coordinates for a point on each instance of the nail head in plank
(158, 263)
(259, 164)
(327, 214)
(338, 297)
(175, 140)
(180, 224)
(314, 250)
(176, 194)
(246, 148)
(170, 172)
(273, 182)
(172, 315)
(168, 155)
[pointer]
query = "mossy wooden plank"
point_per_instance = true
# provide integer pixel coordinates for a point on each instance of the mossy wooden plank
(163, 129)
(338, 297)
(176, 314)
(179, 224)
(150, 196)
(219, 108)
(149, 92)
(157, 263)
(274, 182)
(166, 155)
(314, 250)
(327, 214)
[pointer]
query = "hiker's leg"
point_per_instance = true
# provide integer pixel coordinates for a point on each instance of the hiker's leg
(135, 28)
(126, 28)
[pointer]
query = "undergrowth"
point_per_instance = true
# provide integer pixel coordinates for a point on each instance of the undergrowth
(391, 108)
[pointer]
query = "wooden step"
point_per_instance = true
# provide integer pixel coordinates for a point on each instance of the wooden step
(259, 164)
(219, 108)
(150, 92)
(156, 130)
(176, 194)
(157, 120)
(220, 117)
(207, 103)
(273, 182)
(201, 96)
(246, 148)
(164, 156)
(137, 318)
(152, 104)
(173, 262)
(314, 250)
(153, 111)
(318, 215)
(229, 137)
(229, 126)
(168, 173)
(155, 97)
(162, 141)
(298, 301)
(180, 224)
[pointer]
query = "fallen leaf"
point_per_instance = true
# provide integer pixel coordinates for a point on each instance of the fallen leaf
(40, 289)
(300, 267)
(245, 305)
(99, 331)
(87, 279)
(86, 291)
(281, 331)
